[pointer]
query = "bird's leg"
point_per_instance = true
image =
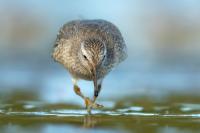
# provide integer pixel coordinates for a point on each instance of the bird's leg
(78, 91)
(88, 103)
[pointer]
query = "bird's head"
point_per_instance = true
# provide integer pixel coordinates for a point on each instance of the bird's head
(93, 54)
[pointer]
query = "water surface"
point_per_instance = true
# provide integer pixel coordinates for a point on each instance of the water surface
(143, 114)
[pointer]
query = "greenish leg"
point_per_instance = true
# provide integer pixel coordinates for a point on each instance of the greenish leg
(88, 103)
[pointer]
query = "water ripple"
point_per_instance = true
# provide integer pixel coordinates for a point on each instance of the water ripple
(79, 113)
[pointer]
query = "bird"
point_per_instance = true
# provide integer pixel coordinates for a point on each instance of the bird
(89, 50)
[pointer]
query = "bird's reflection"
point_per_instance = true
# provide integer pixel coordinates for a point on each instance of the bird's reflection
(89, 121)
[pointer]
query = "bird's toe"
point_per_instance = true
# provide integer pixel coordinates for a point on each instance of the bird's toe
(97, 106)
(91, 104)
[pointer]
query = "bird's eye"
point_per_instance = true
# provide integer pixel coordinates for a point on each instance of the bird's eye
(85, 57)
(103, 57)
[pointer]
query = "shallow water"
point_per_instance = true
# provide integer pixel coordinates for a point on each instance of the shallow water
(144, 114)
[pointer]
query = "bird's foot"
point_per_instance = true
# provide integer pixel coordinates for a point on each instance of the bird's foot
(90, 104)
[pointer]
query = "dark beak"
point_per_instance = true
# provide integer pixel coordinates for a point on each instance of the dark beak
(94, 72)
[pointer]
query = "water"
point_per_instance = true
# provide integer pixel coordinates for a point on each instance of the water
(143, 114)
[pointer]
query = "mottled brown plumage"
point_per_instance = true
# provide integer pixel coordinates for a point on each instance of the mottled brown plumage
(89, 49)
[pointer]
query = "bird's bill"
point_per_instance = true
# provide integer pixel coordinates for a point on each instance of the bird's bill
(95, 79)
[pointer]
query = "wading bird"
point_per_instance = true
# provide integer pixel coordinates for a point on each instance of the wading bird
(89, 49)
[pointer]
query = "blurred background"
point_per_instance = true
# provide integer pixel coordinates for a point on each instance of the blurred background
(162, 38)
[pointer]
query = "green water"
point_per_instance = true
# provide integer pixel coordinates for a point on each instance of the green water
(172, 114)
